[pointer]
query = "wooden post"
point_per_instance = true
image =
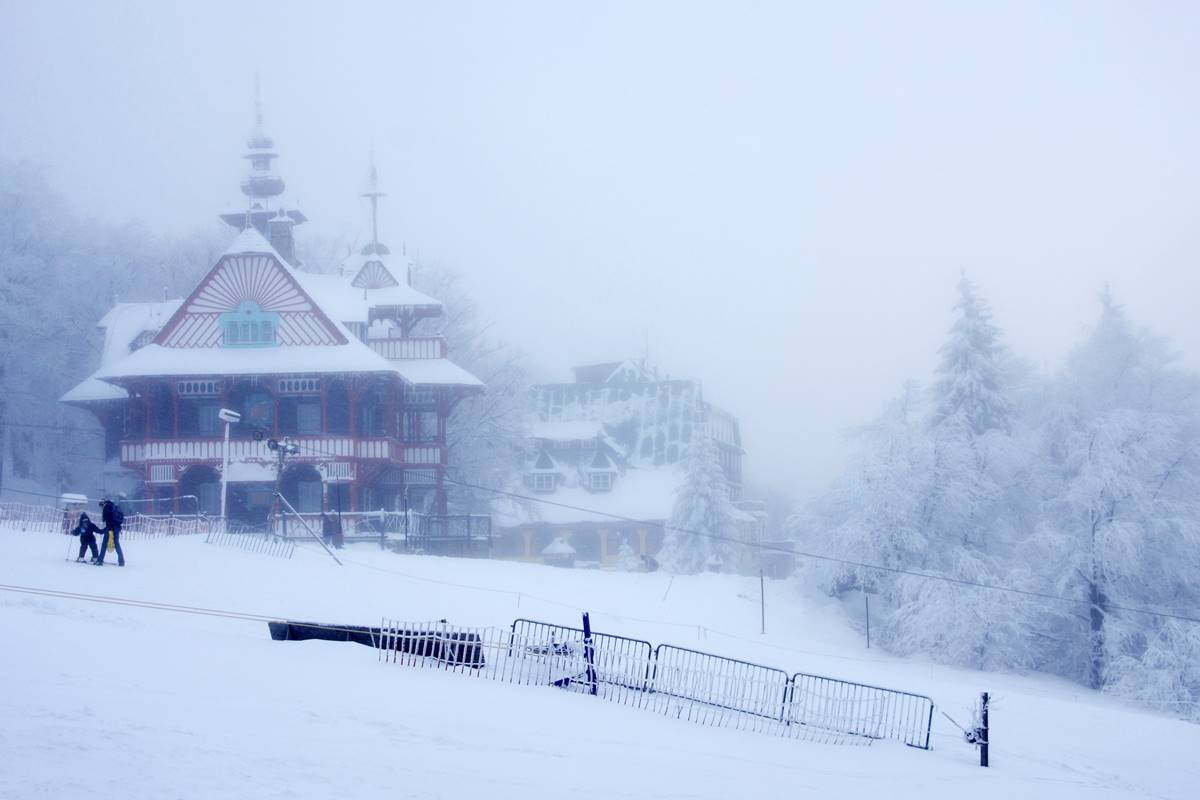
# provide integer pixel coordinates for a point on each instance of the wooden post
(983, 742)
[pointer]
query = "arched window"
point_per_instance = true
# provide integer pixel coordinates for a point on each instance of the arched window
(257, 407)
(302, 487)
(203, 483)
(249, 326)
(337, 407)
(162, 412)
(372, 411)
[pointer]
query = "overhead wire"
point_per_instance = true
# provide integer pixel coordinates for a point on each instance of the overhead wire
(791, 551)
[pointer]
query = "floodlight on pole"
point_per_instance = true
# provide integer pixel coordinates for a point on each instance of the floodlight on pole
(229, 418)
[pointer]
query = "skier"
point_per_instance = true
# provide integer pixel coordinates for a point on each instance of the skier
(86, 530)
(113, 518)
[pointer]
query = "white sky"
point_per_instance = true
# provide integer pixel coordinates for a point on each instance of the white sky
(780, 196)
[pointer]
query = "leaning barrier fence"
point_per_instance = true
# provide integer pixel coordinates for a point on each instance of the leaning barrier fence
(673, 681)
(141, 526)
(27, 517)
(253, 541)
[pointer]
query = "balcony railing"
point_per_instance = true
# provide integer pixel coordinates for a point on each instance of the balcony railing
(312, 448)
(419, 347)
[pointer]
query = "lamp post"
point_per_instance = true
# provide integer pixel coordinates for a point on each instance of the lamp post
(229, 418)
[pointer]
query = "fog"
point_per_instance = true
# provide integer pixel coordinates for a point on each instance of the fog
(777, 200)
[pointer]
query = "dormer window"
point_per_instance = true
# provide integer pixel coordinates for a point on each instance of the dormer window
(543, 482)
(249, 326)
(600, 481)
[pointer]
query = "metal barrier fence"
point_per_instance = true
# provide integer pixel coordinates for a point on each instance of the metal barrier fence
(53, 519)
(621, 666)
(674, 681)
(718, 691)
(859, 709)
(27, 517)
(251, 541)
(144, 526)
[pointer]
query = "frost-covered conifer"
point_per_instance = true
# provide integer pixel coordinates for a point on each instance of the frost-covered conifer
(702, 525)
(970, 376)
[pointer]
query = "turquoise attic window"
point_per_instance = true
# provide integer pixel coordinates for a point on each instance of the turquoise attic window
(249, 326)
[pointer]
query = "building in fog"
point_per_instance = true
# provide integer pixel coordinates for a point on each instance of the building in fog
(606, 452)
(343, 363)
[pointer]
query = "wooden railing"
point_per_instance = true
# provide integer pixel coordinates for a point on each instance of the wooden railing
(312, 449)
(420, 347)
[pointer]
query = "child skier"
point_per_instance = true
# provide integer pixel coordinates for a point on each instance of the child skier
(86, 530)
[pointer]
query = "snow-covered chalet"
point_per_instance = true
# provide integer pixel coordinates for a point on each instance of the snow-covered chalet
(347, 366)
(606, 452)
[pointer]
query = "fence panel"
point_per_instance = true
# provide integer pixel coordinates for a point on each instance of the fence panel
(816, 703)
(29, 518)
(251, 541)
(718, 691)
(622, 664)
(674, 681)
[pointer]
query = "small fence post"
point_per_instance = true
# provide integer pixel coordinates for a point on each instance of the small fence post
(983, 727)
(589, 653)
(762, 601)
(867, 601)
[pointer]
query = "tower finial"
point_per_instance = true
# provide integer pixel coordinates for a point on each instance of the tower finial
(257, 104)
(373, 194)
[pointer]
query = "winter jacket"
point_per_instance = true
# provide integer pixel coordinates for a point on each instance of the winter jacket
(85, 527)
(112, 518)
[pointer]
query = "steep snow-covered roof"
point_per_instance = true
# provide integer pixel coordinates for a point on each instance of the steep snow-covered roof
(567, 431)
(122, 325)
(640, 494)
(251, 241)
(344, 303)
(434, 372)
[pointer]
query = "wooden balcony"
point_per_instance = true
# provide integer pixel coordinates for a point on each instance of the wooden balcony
(312, 449)
(412, 348)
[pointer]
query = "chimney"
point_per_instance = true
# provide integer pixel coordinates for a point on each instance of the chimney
(279, 232)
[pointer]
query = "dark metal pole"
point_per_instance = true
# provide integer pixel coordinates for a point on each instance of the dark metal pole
(983, 744)
(589, 653)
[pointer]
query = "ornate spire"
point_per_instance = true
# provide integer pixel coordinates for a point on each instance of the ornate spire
(373, 194)
(262, 183)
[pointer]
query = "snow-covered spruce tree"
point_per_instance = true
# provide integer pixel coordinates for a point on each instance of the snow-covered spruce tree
(702, 530)
(1121, 522)
(975, 491)
(970, 376)
(872, 512)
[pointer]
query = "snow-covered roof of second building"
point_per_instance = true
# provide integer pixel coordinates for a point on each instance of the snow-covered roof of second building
(639, 494)
(566, 431)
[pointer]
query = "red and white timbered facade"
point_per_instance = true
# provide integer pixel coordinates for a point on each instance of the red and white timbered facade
(327, 361)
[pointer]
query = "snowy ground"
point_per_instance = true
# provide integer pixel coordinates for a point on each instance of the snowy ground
(110, 701)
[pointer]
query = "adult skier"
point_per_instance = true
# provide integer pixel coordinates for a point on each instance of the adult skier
(113, 519)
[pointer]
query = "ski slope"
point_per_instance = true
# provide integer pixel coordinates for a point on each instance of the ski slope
(104, 700)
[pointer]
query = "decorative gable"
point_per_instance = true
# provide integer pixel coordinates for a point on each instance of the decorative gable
(258, 293)
(374, 275)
